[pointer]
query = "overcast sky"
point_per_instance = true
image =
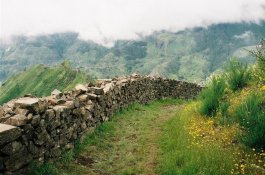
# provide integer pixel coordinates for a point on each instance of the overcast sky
(107, 20)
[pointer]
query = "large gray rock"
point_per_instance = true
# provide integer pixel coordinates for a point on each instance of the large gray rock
(42, 138)
(21, 111)
(10, 104)
(4, 118)
(83, 97)
(26, 102)
(92, 96)
(34, 105)
(11, 148)
(35, 120)
(49, 115)
(52, 100)
(80, 89)
(89, 107)
(18, 160)
(8, 133)
(69, 104)
(17, 120)
(98, 91)
(60, 108)
(108, 87)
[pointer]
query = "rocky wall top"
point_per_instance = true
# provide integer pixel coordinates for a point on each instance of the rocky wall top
(39, 129)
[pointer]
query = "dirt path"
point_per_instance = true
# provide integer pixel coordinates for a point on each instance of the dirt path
(127, 145)
(167, 113)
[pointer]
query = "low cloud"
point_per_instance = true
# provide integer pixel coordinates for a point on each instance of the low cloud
(104, 21)
(245, 36)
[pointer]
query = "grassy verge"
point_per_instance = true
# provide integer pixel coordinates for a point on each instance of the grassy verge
(190, 144)
(195, 144)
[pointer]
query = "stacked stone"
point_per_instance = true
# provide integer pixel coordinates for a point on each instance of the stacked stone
(40, 129)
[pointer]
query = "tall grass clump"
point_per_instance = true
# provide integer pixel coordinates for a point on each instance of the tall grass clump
(223, 108)
(259, 53)
(252, 118)
(237, 75)
(211, 96)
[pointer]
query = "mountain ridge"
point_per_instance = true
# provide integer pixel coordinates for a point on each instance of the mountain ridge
(191, 54)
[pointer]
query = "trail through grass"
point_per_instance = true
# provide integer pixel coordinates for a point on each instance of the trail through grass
(127, 144)
(167, 137)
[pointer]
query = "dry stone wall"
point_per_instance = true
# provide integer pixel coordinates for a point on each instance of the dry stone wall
(39, 129)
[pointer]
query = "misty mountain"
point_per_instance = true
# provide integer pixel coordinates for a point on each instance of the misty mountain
(191, 54)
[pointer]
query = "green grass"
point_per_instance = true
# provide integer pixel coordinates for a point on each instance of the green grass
(44, 169)
(211, 96)
(223, 109)
(183, 154)
(41, 81)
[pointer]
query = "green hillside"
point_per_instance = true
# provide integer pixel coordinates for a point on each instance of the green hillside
(41, 80)
(191, 54)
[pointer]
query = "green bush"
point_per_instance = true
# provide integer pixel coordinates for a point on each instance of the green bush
(210, 97)
(237, 75)
(252, 118)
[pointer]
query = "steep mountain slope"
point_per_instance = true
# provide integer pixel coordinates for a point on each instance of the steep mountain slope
(40, 80)
(192, 54)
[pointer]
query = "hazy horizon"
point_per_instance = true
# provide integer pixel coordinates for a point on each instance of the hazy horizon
(105, 21)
